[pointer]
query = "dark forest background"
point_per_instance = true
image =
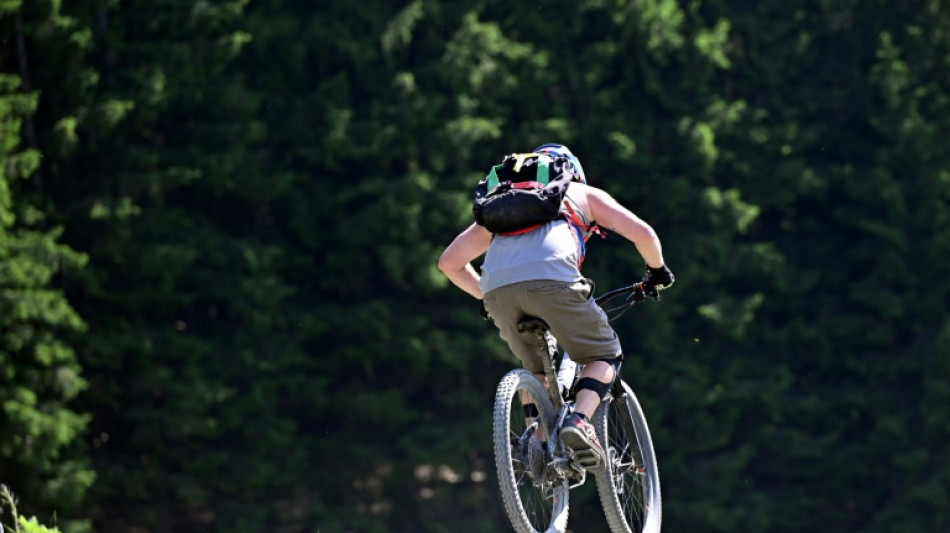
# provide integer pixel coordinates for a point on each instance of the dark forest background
(220, 221)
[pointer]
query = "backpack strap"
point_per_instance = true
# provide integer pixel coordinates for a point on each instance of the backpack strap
(520, 231)
(574, 219)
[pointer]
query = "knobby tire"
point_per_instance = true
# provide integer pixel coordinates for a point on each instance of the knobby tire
(629, 489)
(529, 508)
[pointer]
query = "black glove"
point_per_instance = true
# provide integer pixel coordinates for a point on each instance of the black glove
(659, 278)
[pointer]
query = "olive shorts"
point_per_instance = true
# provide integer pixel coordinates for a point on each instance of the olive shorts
(580, 325)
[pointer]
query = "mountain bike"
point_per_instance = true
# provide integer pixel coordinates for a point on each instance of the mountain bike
(536, 472)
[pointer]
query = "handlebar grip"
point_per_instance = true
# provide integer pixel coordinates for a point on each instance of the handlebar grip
(649, 291)
(641, 291)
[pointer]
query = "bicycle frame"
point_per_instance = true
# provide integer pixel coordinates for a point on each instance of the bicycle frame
(563, 405)
(565, 467)
(535, 480)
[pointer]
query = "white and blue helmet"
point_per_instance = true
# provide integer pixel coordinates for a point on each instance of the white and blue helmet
(563, 151)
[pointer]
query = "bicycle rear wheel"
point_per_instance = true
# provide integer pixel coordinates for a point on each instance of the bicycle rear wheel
(535, 500)
(630, 487)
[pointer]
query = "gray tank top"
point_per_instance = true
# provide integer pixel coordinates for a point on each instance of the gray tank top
(552, 251)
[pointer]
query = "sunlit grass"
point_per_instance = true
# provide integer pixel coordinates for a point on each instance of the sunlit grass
(20, 524)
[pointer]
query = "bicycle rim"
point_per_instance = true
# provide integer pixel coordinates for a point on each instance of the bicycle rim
(630, 487)
(532, 502)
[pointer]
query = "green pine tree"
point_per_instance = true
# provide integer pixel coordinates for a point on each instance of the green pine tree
(40, 454)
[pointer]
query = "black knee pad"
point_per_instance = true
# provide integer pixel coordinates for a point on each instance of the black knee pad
(592, 384)
(600, 387)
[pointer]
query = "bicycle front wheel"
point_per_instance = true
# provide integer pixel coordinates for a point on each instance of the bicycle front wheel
(535, 499)
(630, 487)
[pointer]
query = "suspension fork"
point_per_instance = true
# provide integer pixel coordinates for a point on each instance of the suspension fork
(626, 420)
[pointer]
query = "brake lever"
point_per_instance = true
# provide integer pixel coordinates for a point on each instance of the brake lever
(650, 291)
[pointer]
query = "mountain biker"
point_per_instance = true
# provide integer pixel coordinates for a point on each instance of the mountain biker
(537, 274)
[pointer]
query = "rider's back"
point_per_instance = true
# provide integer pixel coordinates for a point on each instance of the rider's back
(552, 252)
(549, 252)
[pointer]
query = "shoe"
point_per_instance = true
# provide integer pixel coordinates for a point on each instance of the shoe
(580, 436)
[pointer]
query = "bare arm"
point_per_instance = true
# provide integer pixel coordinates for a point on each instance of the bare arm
(456, 260)
(608, 212)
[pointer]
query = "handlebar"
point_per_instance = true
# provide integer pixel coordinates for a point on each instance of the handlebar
(633, 294)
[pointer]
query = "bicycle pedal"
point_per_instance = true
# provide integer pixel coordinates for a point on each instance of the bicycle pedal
(590, 460)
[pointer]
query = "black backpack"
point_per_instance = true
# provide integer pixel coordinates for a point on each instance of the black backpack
(522, 192)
